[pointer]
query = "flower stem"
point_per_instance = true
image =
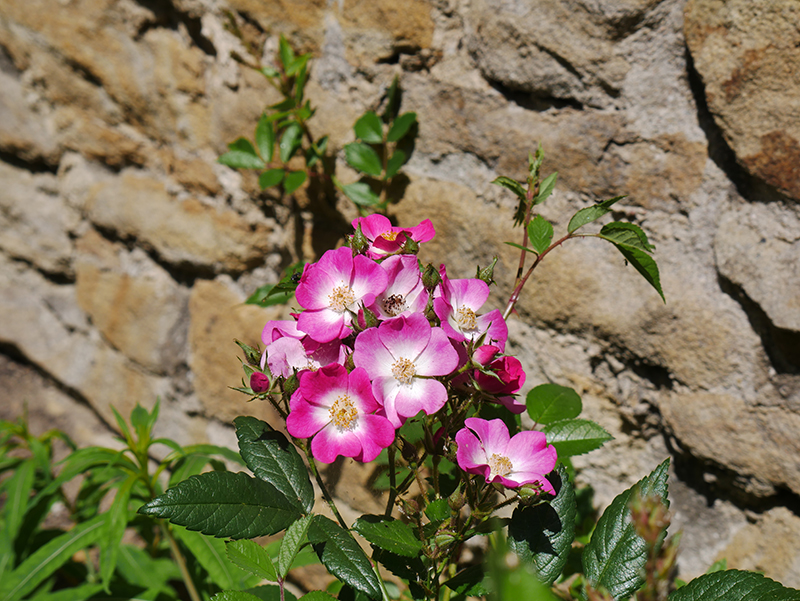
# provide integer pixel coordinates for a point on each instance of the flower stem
(323, 488)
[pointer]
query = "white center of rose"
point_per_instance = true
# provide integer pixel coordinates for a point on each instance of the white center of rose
(499, 465)
(344, 413)
(403, 370)
(341, 298)
(465, 317)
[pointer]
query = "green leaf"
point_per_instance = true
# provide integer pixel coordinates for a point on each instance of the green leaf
(389, 534)
(241, 155)
(317, 596)
(138, 568)
(629, 234)
(361, 194)
(210, 554)
(438, 510)
(615, 556)
(540, 233)
(546, 188)
(290, 141)
(644, 264)
(224, 504)
(294, 179)
(293, 540)
(548, 403)
(41, 564)
(270, 592)
(267, 296)
(295, 67)
(542, 534)
(470, 582)
(237, 596)
(393, 95)
(573, 437)
(364, 158)
(526, 249)
(734, 585)
(18, 491)
(340, 553)
(140, 422)
(369, 128)
(300, 88)
(251, 556)
(265, 138)
(285, 52)
(73, 593)
(396, 161)
(589, 214)
(401, 126)
(115, 529)
(511, 184)
(274, 459)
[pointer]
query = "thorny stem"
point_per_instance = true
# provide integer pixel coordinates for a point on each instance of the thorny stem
(529, 195)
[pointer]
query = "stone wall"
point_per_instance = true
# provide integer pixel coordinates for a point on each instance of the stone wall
(126, 250)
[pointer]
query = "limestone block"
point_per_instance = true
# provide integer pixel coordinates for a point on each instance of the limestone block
(187, 232)
(748, 54)
(23, 132)
(134, 303)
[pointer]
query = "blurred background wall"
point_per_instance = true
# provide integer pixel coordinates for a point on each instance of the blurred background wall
(126, 250)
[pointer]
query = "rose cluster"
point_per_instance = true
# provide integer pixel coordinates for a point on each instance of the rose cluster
(380, 340)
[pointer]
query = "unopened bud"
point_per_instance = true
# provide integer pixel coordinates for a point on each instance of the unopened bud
(251, 355)
(444, 538)
(430, 277)
(358, 241)
(366, 319)
(259, 382)
(349, 363)
(291, 384)
(457, 500)
(410, 247)
(487, 273)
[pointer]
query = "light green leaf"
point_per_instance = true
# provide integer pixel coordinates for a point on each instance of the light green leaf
(589, 214)
(285, 52)
(396, 161)
(294, 179)
(361, 194)
(251, 556)
(364, 158)
(270, 177)
(512, 185)
(389, 534)
(272, 458)
(293, 540)
(73, 593)
(369, 128)
(225, 504)
(548, 403)
(317, 596)
(629, 234)
(734, 585)
(401, 126)
(526, 249)
(18, 491)
(265, 138)
(615, 556)
(295, 67)
(546, 188)
(209, 552)
(573, 437)
(114, 529)
(237, 596)
(540, 233)
(138, 568)
(290, 141)
(241, 155)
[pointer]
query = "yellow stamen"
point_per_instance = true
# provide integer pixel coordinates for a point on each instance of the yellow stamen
(466, 319)
(403, 370)
(391, 236)
(341, 298)
(344, 413)
(394, 305)
(499, 465)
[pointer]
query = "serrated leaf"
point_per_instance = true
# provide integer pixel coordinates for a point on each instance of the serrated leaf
(364, 158)
(644, 264)
(542, 535)
(573, 437)
(340, 553)
(209, 552)
(251, 556)
(396, 161)
(589, 214)
(401, 126)
(511, 184)
(293, 180)
(628, 234)
(734, 585)
(290, 140)
(38, 566)
(389, 534)
(548, 403)
(438, 510)
(241, 155)
(272, 458)
(540, 233)
(225, 504)
(615, 556)
(293, 540)
(369, 128)
(361, 194)
(546, 188)
(265, 139)
(114, 530)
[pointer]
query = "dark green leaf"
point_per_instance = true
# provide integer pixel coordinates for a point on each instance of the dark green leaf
(293, 540)
(73, 593)
(396, 161)
(317, 596)
(251, 556)
(138, 568)
(589, 214)
(209, 552)
(620, 232)
(511, 184)
(265, 296)
(546, 188)
(274, 459)
(18, 491)
(734, 585)
(542, 534)
(540, 233)
(290, 141)
(389, 534)
(364, 158)
(114, 529)
(393, 95)
(238, 596)
(300, 89)
(361, 194)
(294, 179)
(270, 592)
(573, 437)
(401, 126)
(283, 108)
(438, 510)
(285, 52)
(471, 582)
(615, 556)
(48, 558)
(340, 553)
(265, 139)
(241, 155)
(225, 504)
(369, 128)
(548, 403)
(644, 264)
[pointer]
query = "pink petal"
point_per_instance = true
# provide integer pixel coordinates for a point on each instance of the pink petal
(495, 327)
(373, 226)
(407, 336)
(330, 443)
(470, 455)
(492, 433)
(376, 433)
(422, 232)
(439, 358)
(305, 420)
(421, 395)
(285, 355)
(371, 354)
(470, 293)
(324, 325)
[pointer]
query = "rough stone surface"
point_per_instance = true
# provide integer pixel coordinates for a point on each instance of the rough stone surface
(126, 251)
